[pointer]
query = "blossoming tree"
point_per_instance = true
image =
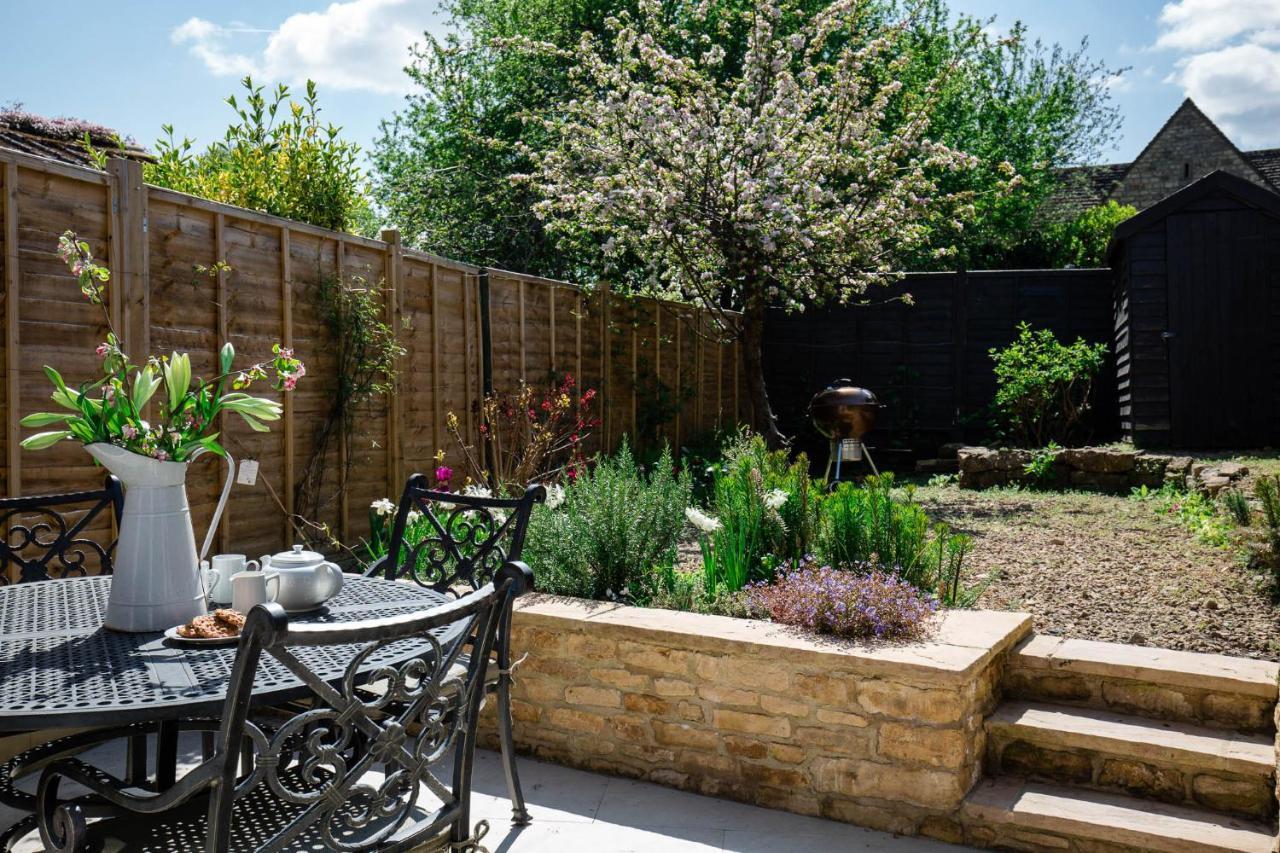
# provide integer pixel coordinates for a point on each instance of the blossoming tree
(791, 179)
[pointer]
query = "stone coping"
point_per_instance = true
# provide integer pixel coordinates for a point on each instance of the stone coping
(1158, 666)
(960, 644)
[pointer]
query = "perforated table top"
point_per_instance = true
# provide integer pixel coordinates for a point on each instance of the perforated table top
(60, 667)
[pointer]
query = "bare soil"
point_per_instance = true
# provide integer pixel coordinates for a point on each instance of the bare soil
(1110, 568)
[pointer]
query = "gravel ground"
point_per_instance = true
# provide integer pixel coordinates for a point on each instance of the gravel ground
(1110, 568)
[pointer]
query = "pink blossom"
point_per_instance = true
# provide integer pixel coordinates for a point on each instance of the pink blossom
(290, 382)
(160, 454)
(443, 475)
(102, 350)
(129, 431)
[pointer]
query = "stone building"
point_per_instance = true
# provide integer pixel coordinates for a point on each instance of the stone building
(1188, 147)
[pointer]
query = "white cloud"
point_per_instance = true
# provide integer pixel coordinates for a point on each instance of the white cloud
(1201, 24)
(1239, 87)
(1228, 63)
(356, 45)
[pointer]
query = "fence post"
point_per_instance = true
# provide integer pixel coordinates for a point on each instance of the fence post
(392, 302)
(286, 319)
(605, 390)
(11, 368)
(486, 336)
(132, 277)
(960, 320)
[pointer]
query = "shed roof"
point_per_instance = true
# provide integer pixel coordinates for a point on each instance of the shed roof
(62, 139)
(1218, 182)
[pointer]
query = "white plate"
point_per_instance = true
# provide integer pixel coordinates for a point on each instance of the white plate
(172, 634)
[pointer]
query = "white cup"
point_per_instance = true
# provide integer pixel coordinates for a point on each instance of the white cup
(249, 589)
(217, 580)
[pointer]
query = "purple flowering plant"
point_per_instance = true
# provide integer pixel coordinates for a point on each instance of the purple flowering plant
(867, 604)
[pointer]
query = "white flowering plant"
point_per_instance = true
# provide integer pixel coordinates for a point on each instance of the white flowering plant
(157, 409)
(793, 177)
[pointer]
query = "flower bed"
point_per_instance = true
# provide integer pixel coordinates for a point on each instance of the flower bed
(887, 736)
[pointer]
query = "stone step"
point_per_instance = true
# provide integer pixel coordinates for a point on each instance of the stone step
(1211, 690)
(1172, 762)
(1017, 814)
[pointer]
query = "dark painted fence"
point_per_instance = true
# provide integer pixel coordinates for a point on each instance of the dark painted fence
(928, 359)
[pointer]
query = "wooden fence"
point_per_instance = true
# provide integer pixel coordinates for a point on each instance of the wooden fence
(659, 368)
(929, 360)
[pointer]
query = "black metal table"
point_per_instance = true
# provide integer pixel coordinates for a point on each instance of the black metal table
(59, 668)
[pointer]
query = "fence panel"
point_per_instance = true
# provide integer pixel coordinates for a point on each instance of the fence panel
(928, 360)
(167, 293)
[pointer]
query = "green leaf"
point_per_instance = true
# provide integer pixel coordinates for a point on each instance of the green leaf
(177, 378)
(41, 440)
(55, 378)
(254, 424)
(63, 397)
(42, 419)
(145, 383)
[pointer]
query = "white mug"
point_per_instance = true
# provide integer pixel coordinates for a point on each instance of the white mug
(249, 589)
(217, 580)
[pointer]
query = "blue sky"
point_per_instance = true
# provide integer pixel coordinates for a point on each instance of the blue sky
(146, 63)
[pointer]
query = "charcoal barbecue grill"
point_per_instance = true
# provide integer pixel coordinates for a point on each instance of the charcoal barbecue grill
(844, 414)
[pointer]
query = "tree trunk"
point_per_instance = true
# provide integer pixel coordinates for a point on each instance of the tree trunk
(763, 421)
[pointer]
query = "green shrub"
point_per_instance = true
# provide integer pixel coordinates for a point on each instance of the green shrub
(866, 525)
(764, 512)
(1044, 387)
(1267, 557)
(1193, 510)
(1082, 241)
(778, 489)
(617, 525)
(1237, 506)
(278, 158)
(862, 523)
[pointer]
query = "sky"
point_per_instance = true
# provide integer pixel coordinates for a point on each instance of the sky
(144, 64)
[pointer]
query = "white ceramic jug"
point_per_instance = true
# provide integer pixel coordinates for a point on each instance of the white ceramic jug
(156, 582)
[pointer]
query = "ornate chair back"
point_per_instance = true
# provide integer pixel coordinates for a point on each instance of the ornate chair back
(464, 540)
(43, 535)
(420, 727)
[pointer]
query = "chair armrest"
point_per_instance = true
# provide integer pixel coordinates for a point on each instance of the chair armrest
(377, 567)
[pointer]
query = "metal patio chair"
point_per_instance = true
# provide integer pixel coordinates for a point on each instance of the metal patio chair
(312, 781)
(43, 543)
(468, 539)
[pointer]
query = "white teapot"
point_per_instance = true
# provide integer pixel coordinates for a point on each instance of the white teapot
(307, 579)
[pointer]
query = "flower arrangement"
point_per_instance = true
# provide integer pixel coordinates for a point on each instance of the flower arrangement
(853, 604)
(121, 408)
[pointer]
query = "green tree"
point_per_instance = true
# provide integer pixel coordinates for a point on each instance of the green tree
(278, 158)
(442, 166)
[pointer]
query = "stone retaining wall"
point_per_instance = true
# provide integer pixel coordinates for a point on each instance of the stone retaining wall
(1105, 469)
(889, 737)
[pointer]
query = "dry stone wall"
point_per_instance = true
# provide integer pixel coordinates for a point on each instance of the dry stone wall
(1107, 469)
(889, 737)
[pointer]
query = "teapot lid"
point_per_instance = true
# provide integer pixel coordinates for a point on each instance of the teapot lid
(297, 558)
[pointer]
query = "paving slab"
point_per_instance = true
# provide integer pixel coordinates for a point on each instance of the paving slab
(578, 812)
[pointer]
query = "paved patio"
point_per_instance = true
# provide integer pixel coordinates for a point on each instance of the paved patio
(586, 812)
(578, 812)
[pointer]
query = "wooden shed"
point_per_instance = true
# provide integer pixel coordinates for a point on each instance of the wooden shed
(1197, 317)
